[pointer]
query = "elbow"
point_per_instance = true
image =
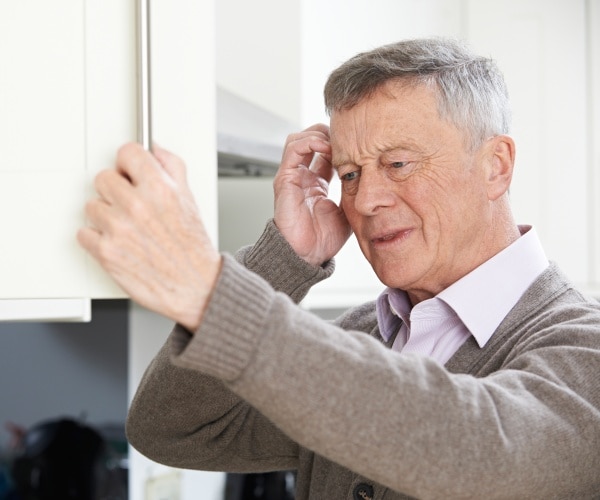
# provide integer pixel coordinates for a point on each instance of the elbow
(143, 434)
(152, 437)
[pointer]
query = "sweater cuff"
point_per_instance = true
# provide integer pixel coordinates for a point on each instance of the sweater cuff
(275, 260)
(225, 342)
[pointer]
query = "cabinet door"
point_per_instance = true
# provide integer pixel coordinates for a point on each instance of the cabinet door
(67, 91)
(541, 48)
(67, 102)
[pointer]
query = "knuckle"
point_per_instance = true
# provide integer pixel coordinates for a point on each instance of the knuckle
(102, 178)
(108, 254)
(137, 209)
(90, 207)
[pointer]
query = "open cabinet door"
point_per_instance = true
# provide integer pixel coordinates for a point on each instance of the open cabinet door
(68, 101)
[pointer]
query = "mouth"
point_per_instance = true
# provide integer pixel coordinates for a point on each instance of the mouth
(391, 237)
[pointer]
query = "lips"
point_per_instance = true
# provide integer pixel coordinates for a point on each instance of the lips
(390, 236)
(386, 238)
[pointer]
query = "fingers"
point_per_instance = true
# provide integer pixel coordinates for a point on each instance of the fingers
(113, 187)
(89, 239)
(107, 229)
(135, 163)
(321, 166)
(317, 130)
(136, 166)
(300, 148)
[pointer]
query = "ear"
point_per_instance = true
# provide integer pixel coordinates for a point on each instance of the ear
(500, 156)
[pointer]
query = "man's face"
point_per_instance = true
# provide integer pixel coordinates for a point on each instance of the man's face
(413, 194)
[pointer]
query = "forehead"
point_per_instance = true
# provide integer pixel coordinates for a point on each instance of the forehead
(398, 115)
(394, 99)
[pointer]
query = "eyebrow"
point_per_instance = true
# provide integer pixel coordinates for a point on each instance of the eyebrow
(338, 163)
(406, 146)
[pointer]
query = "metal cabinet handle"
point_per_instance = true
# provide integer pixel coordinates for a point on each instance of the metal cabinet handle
(143, 76)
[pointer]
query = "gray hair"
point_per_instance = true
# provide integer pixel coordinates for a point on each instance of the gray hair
(471, 92)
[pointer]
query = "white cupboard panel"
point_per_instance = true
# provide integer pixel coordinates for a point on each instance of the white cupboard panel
(39, 258)
(110, 103)
(46, 309)
(184, 94)
(111, 72)
(42, 120)
(67, 102)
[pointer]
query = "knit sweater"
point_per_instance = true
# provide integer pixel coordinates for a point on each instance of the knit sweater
(265, 385)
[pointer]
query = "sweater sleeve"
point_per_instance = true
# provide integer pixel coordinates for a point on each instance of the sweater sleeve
(273, 259)
(185, 418)
(527, 430)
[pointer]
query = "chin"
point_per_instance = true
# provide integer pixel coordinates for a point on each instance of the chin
(394, 279)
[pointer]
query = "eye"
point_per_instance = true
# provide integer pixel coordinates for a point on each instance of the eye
(349, 182)
(350, 176)
(400, 170)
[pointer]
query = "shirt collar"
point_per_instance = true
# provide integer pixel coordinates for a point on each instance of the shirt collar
(482, 298)
(392, 307)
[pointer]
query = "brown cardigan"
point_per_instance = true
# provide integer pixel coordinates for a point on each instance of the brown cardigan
(265, 385)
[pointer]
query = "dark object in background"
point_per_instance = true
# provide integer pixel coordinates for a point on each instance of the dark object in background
(61, 459)
(264, 486)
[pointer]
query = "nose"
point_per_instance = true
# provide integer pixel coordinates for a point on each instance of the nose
(375, 191)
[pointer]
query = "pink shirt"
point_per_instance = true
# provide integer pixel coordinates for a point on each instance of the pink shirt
(474, 305)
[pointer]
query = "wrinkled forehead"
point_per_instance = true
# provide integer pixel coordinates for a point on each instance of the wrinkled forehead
(396, 101)
(397, 113)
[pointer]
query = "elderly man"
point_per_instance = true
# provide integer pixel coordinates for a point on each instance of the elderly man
(475, 373)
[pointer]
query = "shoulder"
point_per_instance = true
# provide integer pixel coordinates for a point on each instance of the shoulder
(552, 299)
(553, 320)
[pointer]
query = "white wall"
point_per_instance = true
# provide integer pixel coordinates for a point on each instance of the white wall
(335, 30)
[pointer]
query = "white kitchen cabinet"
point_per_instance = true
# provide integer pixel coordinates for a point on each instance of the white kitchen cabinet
(67, 102)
